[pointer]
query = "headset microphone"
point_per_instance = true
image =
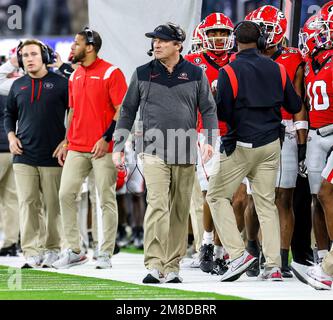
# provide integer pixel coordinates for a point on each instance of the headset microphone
(151, 50)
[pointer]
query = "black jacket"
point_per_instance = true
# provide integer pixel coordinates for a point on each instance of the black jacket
(254, 117)
(168, 102)
(39, 106)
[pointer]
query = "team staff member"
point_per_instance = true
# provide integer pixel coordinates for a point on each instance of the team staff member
(37, 102)
(250, 92)
(217, 32)
(294, 146)
(96, 91)
(169, 90)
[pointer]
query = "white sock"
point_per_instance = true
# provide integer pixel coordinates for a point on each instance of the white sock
(218, 251)
(208, 237)
(322, 254)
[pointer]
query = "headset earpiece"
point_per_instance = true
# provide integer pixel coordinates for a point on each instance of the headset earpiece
(46, 52)
(262, 40)
(89, 36)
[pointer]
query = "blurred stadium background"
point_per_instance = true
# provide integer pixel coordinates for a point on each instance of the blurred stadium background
(56, 21)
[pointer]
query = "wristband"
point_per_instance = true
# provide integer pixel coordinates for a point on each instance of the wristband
(108, 135)
(301, 125)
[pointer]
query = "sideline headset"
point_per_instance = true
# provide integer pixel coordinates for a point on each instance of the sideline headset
(176, 30)
(47, 53)
(89, 36)
(262, 40)
(179, 32)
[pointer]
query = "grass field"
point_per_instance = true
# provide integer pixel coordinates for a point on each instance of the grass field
(42, 285)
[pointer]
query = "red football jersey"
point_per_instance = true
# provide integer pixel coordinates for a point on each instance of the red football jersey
(319, 89)
(211, 63)
(291, 59)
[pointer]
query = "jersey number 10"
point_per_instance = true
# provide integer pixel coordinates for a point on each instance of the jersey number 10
(317, 94)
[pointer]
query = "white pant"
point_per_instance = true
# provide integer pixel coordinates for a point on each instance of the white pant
(328, 170)
(317, 149)
(288, 169)
(135, 182)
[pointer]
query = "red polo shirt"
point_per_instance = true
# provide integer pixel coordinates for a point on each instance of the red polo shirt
(94, 91)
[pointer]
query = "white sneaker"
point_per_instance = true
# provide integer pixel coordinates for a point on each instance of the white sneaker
(195, 263)
(95, 254)
(103, 261)
(69, 259)
(313, 276)
(272, 274)
(49, 258)
(238, 266)
(33, 262)
(173, 277)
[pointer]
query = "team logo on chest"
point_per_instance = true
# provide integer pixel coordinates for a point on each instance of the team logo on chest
(183, 76)
(48, 85)
(197, 60)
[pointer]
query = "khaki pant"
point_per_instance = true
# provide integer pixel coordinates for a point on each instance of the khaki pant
(33, 185)
(196, 213)
(77, 167)
(8, 201)
(42, 234)
(260, 165)
(166, 220)
(92, 198)
(327, 263)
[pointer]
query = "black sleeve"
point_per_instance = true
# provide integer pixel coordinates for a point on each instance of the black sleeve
(225, 98)
(11, 112)
(127, 116)
(66, 70)
(66, 94)
(292, 101)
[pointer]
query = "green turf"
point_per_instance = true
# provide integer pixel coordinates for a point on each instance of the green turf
(131, 249)
(41, 285)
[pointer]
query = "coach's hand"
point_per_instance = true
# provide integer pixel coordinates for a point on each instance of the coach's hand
(15, 145)
(61, 152)
(207, 152)
(100, 149)
(118, 159)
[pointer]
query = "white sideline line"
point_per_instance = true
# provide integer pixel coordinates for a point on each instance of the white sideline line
(129, 268)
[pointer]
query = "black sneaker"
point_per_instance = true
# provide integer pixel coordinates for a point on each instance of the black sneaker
(220, 267)
(254, 271)
(286, 272)
(262, 260)
(138, 239)
(153, 277)
(122, 239)
(173, 277)
(206, 257)
(9, 251)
